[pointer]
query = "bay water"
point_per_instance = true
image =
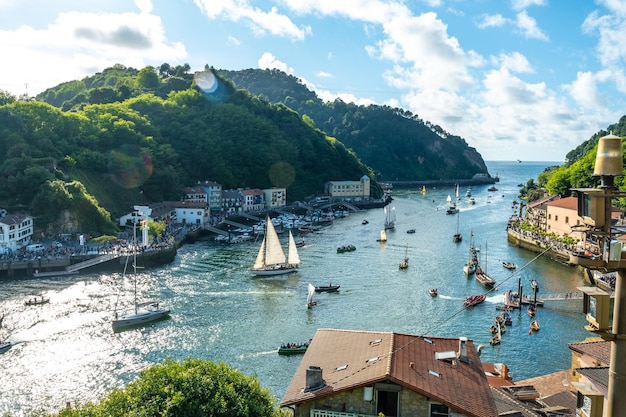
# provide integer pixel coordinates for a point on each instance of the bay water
(67, 351)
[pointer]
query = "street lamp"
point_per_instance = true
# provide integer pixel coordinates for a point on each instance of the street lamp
(594, 206)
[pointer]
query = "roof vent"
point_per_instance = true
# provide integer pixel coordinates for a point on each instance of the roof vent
(463, 349)
(314, 380)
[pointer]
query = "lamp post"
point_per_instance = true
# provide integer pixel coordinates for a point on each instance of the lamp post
(595, 207)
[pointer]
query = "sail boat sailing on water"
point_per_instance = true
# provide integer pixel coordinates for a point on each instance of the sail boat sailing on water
(143, 312)
(271, 258)
(390, 217)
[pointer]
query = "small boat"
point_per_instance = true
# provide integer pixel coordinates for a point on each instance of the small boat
(301, 243)
(4, 346)
(534, 285)
(365, 221)
(383, 236)
(509, 265)
(457, 237)
(390, 217)
(534, 326)
(532, 311)
(495, 340)
(508, 321)
(405, 262)
(37, 301)
(433, 292)
(410, 231)
(309, 299)
(473, 300)
(346, 248)
(492, 188)
(472, 200)
(327, 288)
(293, 348)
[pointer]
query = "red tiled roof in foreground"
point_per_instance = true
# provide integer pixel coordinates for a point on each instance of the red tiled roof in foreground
(407, 360)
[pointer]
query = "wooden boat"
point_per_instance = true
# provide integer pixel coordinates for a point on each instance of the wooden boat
(492, 188)
(473, 300)
(327, 288)
(509, 265)
(457, 237)
(410, 231)
(472, 258)
(534, 326)
(37, 301)
(532, 311)
(495, 340)
(293, 348)
(483, 277)
(405, 262)
(433, 292)
(271, 259)
(383, 236)
(346, 248)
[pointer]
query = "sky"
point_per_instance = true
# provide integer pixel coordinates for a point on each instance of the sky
(517, 79)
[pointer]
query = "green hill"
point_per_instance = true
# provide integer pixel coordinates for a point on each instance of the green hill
(92, 163)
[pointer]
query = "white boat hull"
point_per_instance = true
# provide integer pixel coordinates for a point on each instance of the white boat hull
(274, 271)
(139, 318)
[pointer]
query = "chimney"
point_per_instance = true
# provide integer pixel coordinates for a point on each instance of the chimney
(462, 353)
(314, 379)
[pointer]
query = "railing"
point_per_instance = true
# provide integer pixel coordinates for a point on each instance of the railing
(328, 413)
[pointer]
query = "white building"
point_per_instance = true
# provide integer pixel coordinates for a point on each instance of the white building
(275, 197)
(349, 189)
(16, 231)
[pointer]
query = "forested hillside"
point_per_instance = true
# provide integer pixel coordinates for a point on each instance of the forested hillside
(393, 141)
(113, 148)
(578, 171)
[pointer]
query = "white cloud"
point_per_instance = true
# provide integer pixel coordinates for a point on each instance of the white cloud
(144, 5)
(323, 74)
(269, 61)
(523, 4)
(528, 26)
(259, 21)
(494, 20)
(85, 43)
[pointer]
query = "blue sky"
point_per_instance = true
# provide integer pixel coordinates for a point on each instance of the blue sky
(518, 79)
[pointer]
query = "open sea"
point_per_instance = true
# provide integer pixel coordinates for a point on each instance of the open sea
(67, 351)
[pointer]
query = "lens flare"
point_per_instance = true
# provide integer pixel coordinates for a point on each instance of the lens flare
(130, 166)
(282, 174)
(211, 86)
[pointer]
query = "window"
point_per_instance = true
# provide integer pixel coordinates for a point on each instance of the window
(567, 219)
(556, 218)
(439, 410)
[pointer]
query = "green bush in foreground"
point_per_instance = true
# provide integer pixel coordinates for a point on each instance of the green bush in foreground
(194, 387)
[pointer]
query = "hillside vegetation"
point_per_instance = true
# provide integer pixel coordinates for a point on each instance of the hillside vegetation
(82, 167)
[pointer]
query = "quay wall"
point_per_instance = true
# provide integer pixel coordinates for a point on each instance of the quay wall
(534, 244)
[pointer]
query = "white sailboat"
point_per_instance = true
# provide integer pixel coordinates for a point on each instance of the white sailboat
(271, 258)
(390, 217)
(309, 299)
(383, 236)
(472, 259)
(143, 312)
(457, 237)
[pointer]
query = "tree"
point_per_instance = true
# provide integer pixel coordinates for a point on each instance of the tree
(148, 78)
(193, 387)
(6, 97)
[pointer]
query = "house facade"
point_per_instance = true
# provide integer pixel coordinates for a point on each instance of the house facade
(214, 194)
(562, 217)
(275, 197)
(590, 376)
(16, 231)
(349, 189)
(360, 373)
(253, 199)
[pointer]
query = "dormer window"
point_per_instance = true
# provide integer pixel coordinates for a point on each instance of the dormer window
(375, 342)
(372, 360)
(341, 368)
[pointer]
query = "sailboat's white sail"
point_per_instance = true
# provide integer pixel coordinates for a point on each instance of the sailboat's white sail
(449, 199)
(390, 217)
(271, 258)
(309, 298)
(293, 258)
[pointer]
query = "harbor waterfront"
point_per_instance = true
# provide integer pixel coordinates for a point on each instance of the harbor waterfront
(67, 352)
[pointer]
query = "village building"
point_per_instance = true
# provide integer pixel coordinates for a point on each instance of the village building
(196, 194)
(349, 189)
(275, 198)
(365, 373)
(253, 199)
(16, 231)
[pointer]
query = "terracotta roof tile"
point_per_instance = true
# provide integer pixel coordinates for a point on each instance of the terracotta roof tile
(600, 350)
(351, 359)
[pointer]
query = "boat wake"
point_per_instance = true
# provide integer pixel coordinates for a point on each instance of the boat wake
(258, 354)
